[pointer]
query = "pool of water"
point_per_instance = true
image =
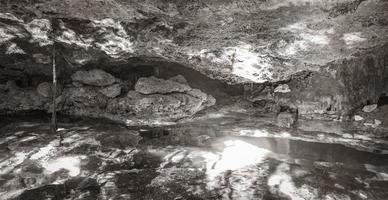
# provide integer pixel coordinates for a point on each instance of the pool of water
(209, 159)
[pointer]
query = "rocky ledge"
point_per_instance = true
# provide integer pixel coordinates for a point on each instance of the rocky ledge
(96, 93)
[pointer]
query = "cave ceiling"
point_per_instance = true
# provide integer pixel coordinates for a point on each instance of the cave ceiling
(231, 40)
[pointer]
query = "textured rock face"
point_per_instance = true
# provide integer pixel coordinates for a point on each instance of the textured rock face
(111, 91)
(18, 99)
(154, 85)
(45, 89)
(340, 44)
(169, 102)
(337, 90)
(154, 99)
(94, 77)
(238, 41)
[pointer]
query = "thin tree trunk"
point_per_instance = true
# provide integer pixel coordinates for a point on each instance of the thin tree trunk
(54, 87)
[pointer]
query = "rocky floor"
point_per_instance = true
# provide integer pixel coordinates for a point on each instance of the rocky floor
(219, 155)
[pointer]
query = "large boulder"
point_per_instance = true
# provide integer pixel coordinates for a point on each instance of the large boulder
(171, 106)
(111, 91)
(95, 77)
(158, 98)
(154, 85)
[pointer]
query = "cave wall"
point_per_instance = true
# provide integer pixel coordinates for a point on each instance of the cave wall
(320, 57)
(333, 92)
(96, 93)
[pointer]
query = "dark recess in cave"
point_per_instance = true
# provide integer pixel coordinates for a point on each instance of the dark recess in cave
(383, 100)
(130, 73)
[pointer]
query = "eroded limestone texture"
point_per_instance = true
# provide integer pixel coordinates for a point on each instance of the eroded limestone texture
(95, 93)
(330, 54)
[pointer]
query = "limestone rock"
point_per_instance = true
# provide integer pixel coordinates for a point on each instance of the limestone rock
(86, 97)
(111, 91)
(282, 88)
(369, 108)
(19, 99)
(153, 85)
(179, 79)
(167, 106)
(45, 89)
(286, 119)
(95, 77)
(358, 118)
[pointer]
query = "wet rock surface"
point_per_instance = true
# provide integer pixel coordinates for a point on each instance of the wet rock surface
(211, 157)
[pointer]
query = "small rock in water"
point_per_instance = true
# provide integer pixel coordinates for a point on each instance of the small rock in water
(283, 88)
(369, 108)
(358, 118)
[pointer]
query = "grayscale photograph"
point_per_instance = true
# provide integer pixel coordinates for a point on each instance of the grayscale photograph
(193, 99)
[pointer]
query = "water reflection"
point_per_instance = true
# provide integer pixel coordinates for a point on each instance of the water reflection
(235, 154)
(182, 162)
(71, 164)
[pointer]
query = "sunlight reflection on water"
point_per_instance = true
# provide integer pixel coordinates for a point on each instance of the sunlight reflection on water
(72, 164)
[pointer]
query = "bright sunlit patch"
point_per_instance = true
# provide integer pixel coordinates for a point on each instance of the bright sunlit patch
(306, 38)
(14, 49)
(353, 38)
(72, 164)
(68, 36)
(5, 36)
(29, 138)
(43, 152)
(8, 164)
(114, 43)
(39, 30)
(243, 59)
(318, 39)
(281, 180)
(276, 4)
(10, 17)
(254, 133)
(236, 154)
(250, 65)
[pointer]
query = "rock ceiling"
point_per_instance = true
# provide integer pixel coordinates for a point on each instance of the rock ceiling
(230, 40)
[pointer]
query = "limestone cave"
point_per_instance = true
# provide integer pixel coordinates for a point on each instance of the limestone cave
(193, 100)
